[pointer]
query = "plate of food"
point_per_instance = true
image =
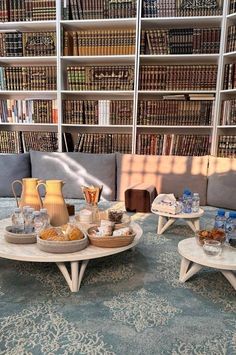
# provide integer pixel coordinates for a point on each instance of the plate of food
(65, 239)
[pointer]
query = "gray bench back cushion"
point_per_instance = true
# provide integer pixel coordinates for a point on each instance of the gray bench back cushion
(221, 191)
(76, 169)
(13, 167)
(169, 174)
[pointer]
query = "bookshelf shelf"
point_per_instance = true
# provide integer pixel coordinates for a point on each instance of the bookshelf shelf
(179, 58)
(100, 59)
(173, 127)
(95, 125)
(100, 23)
(28, 25)
(227, 127)
(231, 16)
(166, 92)
(180, 21)
(29, 60)
(230, 55)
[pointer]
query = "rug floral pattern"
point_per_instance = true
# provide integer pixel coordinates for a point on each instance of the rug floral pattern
(129, 303)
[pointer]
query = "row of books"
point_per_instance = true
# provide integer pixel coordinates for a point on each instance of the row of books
(100, 77)
(18, 142)
(104, 143)
(227, 146)
(10, 142)
(101, 112)
(110, 42)
(98, 9)
(179, 8)
(180, 41)
(28, 78)
(229, 76)
(170, 144)
(228, 113)
(177, 77)
(27, 10)
(232, 6)
(28, 111)
(27, 44)
(175, 113)
(231, 40)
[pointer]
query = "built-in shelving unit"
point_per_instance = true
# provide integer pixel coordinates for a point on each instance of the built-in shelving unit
(215, 129)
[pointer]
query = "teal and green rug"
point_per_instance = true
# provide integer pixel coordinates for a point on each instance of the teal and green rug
(131, 303)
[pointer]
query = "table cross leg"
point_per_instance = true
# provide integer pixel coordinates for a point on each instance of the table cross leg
(230, 276)
(193, 224)
(163, 224)
(81, 271)
(73, 280)
(188, 269)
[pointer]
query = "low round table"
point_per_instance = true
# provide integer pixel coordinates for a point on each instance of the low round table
(167, 219)
(30, 252)
(194, 259)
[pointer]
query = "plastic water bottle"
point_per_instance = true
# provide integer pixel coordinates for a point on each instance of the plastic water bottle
(38, 222)
(17, 221)
(187, 201)
(29, 220)
(230, 227)
(45, 217)
(195, 202)
(220, 220)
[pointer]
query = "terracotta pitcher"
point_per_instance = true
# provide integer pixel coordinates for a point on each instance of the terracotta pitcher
(29, 195)
(54, 202)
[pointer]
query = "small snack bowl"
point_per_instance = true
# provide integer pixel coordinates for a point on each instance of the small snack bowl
(213, 234)
(19, 238)
(212, 247)
(110, 241)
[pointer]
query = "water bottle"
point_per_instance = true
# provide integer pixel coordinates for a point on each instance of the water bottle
(195, 202)
(38, 222)
(17, 221)
(230, 228)
(187, 201)
(220, 220)
(29, 220)
(45, 217)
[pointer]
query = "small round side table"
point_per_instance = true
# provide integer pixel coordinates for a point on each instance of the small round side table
(167, 219)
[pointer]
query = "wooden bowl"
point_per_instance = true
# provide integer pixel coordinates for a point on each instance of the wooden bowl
(109, 241)
(19, 238)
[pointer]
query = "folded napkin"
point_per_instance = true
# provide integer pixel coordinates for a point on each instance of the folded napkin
(166, 203)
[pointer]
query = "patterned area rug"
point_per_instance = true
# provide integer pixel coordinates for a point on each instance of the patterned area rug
(130, 303)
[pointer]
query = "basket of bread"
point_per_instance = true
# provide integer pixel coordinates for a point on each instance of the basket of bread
(106, 236)
(213, 234)
(65, 239)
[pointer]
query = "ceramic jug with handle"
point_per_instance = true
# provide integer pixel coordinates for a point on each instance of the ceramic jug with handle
(54, 202)
(29, 194)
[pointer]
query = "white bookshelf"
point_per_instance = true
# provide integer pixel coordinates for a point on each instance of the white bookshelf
(138, 23)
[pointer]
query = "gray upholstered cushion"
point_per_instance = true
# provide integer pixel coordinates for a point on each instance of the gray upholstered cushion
(76, 169)
(13, 167)
(221, 191)
(169, 174)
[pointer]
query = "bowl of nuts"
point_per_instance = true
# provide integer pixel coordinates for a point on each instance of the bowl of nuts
(213, 234)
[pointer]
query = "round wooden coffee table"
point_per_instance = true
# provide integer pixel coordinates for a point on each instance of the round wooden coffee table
(165, 220)
(194, 259)
(30, 252)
